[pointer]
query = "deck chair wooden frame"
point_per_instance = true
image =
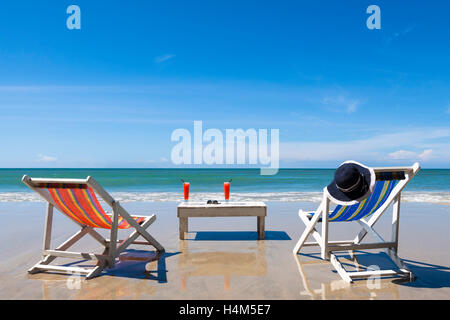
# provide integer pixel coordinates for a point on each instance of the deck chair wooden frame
(328, 248)
(112, 247)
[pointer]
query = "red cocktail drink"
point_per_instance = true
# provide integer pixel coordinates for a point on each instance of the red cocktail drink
(226, 189)
(186, 190)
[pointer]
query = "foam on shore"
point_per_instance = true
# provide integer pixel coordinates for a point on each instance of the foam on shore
(411, 196)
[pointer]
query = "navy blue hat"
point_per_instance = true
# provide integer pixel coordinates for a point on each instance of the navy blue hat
(352, 182)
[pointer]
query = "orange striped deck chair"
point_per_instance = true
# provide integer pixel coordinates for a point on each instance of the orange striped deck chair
(77, 199)
(389, 183)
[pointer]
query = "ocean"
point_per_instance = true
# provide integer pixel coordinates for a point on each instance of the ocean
(128, 185)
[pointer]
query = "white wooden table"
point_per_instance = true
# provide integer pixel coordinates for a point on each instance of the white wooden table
(224, 209)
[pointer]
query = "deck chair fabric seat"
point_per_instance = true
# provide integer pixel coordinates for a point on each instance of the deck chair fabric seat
(82, 205)
(77, 199)
(387, 192)
(367, 207)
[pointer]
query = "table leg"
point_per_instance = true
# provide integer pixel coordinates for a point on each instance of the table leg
(183, 227)
(261, 221)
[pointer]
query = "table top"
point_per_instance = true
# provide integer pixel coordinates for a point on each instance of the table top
(222, 204)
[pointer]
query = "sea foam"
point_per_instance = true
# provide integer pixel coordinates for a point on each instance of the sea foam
(408, 196)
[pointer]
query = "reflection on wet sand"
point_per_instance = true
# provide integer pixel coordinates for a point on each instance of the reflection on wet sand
(270, 272)
(339, 289)
(119, 289)
(221, 263)
(114, 284)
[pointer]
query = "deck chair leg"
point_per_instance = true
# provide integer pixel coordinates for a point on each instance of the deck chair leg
(48, 227)
(400, 264)
(34, 269)
(152, 241)
(112, 245)
(309, 228)
(94, 234)
(47, 237)
(339, 268)
(324, 245)
(101, 265)
(314, 233)
(395, 222)
(95, 272)
(132, 237)
(64, 246)
(141, 228)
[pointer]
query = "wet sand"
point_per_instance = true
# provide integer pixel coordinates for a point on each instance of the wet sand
(223, 260)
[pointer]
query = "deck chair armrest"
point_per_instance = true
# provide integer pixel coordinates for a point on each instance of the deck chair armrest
(139, 216)
(309, 214)
(132, 215)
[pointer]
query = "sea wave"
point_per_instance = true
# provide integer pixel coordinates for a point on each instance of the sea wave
(412, 196)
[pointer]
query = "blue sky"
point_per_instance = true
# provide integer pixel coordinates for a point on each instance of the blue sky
(111, 94)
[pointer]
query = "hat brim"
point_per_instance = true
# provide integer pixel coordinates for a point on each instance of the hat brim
(348, 198)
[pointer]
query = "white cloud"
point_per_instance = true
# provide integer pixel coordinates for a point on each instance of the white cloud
(411, 155)
(163, 58)
(350, 105)
(43, 158)
(402, 154)
(376, 148)
(426, 154)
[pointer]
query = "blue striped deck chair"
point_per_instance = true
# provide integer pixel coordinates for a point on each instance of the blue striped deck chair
(390, 181)
(77, 199)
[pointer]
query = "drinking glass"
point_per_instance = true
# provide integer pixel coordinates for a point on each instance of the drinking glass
(186, 190)
(226, 189)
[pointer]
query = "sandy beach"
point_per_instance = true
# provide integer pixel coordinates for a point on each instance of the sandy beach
(224, 260)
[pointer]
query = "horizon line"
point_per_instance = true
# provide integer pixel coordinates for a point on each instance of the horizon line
(171, 168)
